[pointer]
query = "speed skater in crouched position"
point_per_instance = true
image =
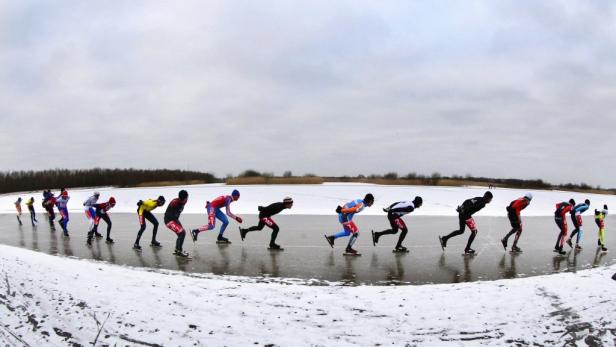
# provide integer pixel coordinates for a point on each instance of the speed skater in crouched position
(18, 208)
(101, 213)
(513, 212)
(465, 216)
(265, 218)
(600, 220)
(345, 217)
(395, 212)
(172, 221)
(30, 205)
(560, 217)
(578, 223)
(214, 212)
(62, 205)
(144, 211)
(90, 211)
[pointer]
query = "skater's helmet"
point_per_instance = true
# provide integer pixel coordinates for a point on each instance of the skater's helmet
(183, 195)
(64, 193)
(112, 201)
(235, 194)
(288, 201)
(160, 201)
(97, 194)
(528, 196)
(587, 202)
(19, 199)
(418, 201)
(369, 199)
(488, 195)
(572, 202)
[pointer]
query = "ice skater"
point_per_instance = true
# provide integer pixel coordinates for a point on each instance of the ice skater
(18, 208)
(90, 211)
(101, 212)
(578, 223)
(145, 212)
(600, 220)
(465, 217)
(62, 205)
(214, 212)
(265, 218)
(345, 217)
(172, 221)
(513, 212)
(30, 205)
(395, 212)
(49, 201)
(560, 217)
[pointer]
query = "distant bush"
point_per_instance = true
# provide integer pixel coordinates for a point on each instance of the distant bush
(391, 176)
(287, 174)
(250, 173)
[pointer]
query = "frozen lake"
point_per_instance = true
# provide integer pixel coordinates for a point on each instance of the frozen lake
(307, 255)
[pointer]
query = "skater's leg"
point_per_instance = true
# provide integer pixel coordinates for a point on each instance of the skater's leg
(394, 223)
(108, 221)
(275, 230)
(517, 237)
(454, 233)
(139, 233)
(211, 219)
(259, 226)
(179, 243)
(352, 240)
(579, 235)
(401, 238)
(342, 233)
(602, 236)
(471, 239)
(150, 217)
(224, 220)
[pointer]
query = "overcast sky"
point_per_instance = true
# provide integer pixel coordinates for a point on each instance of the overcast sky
(523, 89)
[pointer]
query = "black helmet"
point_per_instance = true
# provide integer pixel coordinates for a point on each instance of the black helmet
(369, 198)
(587, 202)
(161, 200)
(488, 195)
(605, 207)
(418, 200)
(183, 194)
(572, 202)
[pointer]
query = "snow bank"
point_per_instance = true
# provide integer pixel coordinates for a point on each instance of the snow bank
(323, 199)
(49, 300)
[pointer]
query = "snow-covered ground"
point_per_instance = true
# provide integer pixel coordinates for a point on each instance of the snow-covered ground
(323, 199)
(56, 301)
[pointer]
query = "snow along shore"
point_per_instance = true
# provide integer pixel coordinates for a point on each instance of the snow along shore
(322, 199)
(57, 301)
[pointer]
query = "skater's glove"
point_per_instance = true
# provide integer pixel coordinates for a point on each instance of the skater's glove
(238, 219)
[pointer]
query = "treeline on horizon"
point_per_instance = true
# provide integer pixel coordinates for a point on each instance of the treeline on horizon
(435, 179)
(16, 181)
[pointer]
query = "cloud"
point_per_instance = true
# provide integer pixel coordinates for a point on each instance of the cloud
(492, 89)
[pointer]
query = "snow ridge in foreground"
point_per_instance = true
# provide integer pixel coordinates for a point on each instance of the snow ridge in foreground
(51, 300)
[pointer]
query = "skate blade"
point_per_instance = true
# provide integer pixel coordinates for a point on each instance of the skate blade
(275, 249)
(352, 254)
(401, 252)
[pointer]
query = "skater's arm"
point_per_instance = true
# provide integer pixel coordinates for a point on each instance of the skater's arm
(228, 209)
(349, 210)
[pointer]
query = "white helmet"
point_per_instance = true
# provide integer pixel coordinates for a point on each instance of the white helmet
(528, 196)
(97, 194)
